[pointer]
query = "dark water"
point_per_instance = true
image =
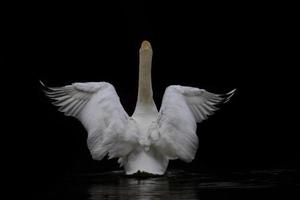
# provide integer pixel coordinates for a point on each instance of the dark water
(268, 184)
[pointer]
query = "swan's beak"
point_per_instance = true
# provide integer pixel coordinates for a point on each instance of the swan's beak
(145, 46)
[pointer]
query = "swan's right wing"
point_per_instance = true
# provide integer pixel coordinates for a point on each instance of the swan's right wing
(174, 132)
(97, 106)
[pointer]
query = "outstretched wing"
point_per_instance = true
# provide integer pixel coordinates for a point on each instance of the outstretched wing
(97, 106)
(71, 99)
(182, 108)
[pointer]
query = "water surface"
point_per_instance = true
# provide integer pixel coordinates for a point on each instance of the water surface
(259, 184)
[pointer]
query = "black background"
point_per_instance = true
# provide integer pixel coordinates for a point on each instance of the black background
(217, 47)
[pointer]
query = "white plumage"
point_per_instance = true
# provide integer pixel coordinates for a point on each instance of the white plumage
(146, 141)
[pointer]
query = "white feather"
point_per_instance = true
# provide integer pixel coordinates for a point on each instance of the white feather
(182, 107)
(98, 108)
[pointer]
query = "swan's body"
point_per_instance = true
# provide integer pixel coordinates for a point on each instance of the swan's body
(146, 141)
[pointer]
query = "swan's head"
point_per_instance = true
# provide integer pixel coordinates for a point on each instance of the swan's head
(146, 46)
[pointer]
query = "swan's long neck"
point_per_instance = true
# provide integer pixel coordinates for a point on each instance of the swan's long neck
(145, 102)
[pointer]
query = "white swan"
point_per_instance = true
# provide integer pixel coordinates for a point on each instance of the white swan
(146, 141)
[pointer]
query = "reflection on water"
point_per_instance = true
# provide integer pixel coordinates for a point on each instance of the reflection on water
(132, 188)
(181, 185)
(142, 189)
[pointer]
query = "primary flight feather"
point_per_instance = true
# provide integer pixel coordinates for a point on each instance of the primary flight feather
(146, 141)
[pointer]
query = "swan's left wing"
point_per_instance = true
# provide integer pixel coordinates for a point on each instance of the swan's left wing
(182, 108)
(72, 99)
(97, 106)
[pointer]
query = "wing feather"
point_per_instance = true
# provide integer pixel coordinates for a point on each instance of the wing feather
(183, 107)
(97, 106)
